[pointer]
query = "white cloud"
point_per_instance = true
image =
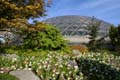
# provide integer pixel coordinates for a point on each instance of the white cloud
(93, 4)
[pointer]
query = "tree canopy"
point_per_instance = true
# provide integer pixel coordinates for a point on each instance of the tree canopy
(114, 35)
(93, 29)
(15, 13)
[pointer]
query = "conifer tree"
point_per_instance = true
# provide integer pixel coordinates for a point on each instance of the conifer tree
(93, 29)
(114, 34)
(15, 13)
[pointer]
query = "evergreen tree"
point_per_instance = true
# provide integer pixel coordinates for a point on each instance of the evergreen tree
(114, 34)
(15, 13)
(93, 29)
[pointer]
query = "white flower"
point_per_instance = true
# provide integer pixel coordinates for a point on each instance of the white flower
(26, 66)
(68, 78)
(18, 69)
(54, 70)
(30, 69)
(30, 64)
(21, 67)
(63, 72)
(70, 72)
(61, 66)
(57, 72)
(53, 75)
(37, 70)
(76, 78)
(76, 67)
(47, 59)
(1, 71)
(40, 67)
(48, 66)
(44, 66)
(45, 62)
(13, 67)
(56, 64)
(14, 59)
(41, 76)
(1, 68)
(69, 65)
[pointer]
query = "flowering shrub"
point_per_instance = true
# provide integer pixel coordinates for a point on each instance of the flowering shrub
(94, 70)
(104, 57)
(56, 66)
(99, 66)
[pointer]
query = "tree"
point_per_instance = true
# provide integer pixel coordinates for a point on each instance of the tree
(15, 13)
(114, 34)
(48, 38)
(93, 29)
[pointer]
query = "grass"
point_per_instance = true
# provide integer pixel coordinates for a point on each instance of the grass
(4, 76)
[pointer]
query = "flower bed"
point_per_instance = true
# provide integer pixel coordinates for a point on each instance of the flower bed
(56, 66)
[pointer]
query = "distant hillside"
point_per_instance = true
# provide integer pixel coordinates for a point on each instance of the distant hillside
(72, 25)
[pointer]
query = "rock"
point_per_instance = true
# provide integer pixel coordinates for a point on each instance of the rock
(24, 75)
(72, 63)
(9, 56)
(2, 40)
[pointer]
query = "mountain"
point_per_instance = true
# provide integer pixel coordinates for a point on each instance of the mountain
(73, 25)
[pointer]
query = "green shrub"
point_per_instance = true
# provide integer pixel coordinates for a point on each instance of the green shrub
(4, 76)
(93, 29)
(48, 38)
(2, 48)
(114, 34)
(99, 66)
(94, 70)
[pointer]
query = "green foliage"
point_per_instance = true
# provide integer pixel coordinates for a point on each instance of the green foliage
(48, 38)
(2, 50)
(27, 52)
(93, 32)
(56, 66)
(4, 76)
(93, 28)
(114, 35)
(99, 66)
(94, 70)
(13, 12)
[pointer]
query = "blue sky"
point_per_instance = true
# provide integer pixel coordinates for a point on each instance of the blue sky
(107, 10)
